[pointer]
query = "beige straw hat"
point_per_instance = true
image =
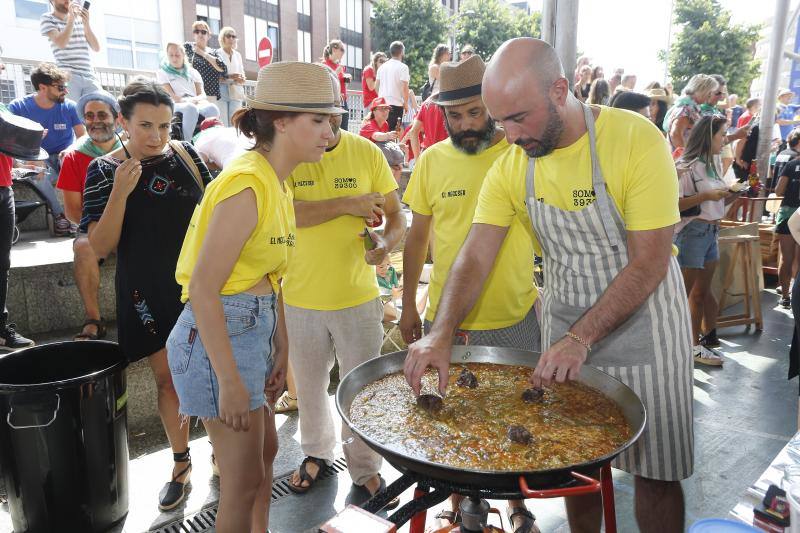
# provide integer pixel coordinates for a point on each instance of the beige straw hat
(295, 86)
(460, 83)
(658, 94)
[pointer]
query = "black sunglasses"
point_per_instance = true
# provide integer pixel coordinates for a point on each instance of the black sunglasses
(61, 88)
(229, 36)
(202, 32)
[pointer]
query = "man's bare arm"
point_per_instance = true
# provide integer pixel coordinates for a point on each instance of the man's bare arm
(313, 213)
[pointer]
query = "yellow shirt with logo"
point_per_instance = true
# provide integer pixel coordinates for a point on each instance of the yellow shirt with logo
(328, 267)
(637, 167)
(268, 249)
(445, 184)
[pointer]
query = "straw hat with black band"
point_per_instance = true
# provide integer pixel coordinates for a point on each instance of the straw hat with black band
(297, 87)
(460, 82)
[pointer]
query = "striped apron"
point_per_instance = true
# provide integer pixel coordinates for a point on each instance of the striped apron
(583, 252)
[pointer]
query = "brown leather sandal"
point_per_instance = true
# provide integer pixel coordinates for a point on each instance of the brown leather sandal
(101, 331)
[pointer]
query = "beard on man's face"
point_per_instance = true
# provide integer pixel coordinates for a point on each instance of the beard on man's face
(101, 132)
(550, 137)
(472, 141)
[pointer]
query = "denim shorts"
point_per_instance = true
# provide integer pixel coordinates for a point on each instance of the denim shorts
(697, 244)
(251, 322)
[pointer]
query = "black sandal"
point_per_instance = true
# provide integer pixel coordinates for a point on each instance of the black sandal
(101, 331)
(305, 476)
(381, 487)
(174, 491)
(529, 526)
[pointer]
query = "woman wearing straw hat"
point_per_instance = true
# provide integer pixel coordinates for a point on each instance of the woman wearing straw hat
(228, 351)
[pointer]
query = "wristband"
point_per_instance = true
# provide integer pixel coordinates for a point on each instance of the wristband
(579, 340)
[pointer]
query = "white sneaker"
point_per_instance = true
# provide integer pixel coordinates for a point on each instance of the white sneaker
(705, 356)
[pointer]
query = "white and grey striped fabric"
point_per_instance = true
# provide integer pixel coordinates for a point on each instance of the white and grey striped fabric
(75, 56)
(583, 252)
(524, 335)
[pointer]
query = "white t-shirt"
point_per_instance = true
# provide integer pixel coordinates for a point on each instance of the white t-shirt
(180, 85)
(235, 66)
(391, 75)
(222, 145)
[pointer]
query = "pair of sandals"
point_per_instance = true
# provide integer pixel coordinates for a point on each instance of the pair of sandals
(321, 466)
(174, 492)
(528, 525)
(101, 331)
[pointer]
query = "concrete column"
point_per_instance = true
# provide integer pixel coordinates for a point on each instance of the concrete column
(560, 29)
(189, 16)
(287, 20)
(770, 98)
(319, 30)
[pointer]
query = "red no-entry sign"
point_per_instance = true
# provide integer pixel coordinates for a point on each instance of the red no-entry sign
(264, 52)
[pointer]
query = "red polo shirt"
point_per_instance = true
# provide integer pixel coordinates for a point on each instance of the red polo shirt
(333, 66)
(6, 163)
(73, 172)
(372, 127)
(432, 119)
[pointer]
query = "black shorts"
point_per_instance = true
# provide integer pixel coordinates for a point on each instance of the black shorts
(783, 228)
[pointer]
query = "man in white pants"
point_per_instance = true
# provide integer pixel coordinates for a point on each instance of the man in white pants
(331, 293)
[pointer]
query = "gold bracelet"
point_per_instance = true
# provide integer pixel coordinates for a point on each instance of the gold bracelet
(579, 340)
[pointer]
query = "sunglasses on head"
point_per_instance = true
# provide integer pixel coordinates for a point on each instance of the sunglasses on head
(201, 32)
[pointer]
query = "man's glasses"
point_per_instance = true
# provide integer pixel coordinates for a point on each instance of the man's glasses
(60, 87)
(91, 117)
(201, 32)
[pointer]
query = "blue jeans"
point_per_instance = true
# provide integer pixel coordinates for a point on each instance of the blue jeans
(250, 321)
(45, 184)
(227, 107)
(82, 83)
(697, 244)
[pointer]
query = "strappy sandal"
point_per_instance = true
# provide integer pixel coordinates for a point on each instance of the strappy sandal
(529, 526)
(174, 492)
(381, 487)
(101, 331)
(305, 476)
(285, 403)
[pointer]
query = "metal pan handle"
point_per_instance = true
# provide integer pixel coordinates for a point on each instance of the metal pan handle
(591, 486)
(53, 419)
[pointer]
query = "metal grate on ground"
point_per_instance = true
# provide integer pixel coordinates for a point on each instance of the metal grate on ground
(204, 520)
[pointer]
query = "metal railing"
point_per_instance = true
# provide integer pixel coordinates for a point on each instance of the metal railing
(15, 82)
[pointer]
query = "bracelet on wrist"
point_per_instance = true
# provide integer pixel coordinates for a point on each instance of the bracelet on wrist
(579, 340)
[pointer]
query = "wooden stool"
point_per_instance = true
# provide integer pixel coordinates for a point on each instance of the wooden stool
(742, 258)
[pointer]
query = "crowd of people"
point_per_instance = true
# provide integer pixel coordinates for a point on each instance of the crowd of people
(229, 215)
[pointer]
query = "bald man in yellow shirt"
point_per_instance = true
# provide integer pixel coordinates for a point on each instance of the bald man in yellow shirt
(442, 194)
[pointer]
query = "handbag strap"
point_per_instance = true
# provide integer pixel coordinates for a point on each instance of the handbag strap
(187, 160)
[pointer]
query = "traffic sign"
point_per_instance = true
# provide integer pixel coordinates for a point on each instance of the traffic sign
(264, 52)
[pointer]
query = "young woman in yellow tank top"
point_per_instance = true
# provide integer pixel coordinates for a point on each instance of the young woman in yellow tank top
(228, 351)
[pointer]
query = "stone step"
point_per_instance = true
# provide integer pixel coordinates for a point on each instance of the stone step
(42, 295)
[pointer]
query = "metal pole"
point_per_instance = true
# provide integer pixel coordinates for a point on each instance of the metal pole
(549, 21)
(669, 40)
(566, 38)
(771, 87)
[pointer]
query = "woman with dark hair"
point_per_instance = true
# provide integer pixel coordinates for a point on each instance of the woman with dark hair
(138, 200)
(599, 92)
(369, 91)
(659, 103)
(597, 73)
(228, 351)
(332, 58)
(702, 206)
(440, 54)
(787, 168)
(583, 85)
(632, 101)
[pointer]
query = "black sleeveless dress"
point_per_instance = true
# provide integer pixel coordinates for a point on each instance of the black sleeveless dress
(157, 214)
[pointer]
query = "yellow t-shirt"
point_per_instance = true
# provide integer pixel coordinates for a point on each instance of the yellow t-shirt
(328, 268)
(445, 184)
(267, 251)
(639, 173)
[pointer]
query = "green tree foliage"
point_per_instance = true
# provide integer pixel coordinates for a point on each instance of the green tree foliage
(419, 24)
(493, 23)
(709, 43)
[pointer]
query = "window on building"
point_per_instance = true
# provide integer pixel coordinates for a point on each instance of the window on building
(304, 46)
(209, 11)
(351, 15)
(31, 9)
(304, 7)
(133, 43)
(261, 20)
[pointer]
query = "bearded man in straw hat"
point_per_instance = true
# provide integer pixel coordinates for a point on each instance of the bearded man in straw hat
(332, 302)
(442, 193)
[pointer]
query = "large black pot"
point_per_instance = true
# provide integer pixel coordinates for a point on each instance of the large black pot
(63, 436)
(508, 481)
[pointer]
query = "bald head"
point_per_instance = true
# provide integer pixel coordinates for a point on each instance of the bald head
(525, 59)
(524, 88)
